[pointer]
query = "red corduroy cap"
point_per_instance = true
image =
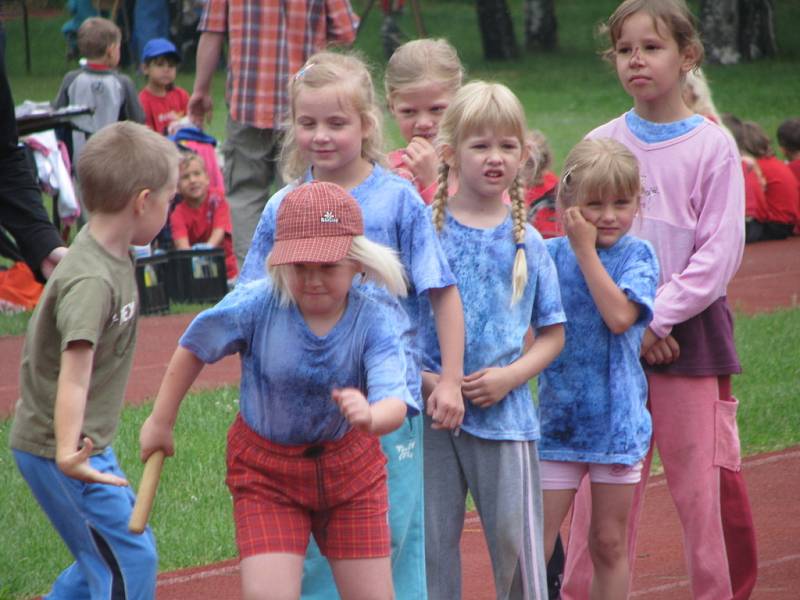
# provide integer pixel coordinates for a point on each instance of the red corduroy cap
(316, 224)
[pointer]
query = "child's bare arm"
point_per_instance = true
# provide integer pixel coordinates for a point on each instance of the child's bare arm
(488, 386)
(617, 310)
(445, 404)
(156, 432)
(382, 417)
(216, 238)
(182, 243)
(74, 377)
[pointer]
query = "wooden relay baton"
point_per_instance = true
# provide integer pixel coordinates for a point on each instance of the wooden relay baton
(147, 492)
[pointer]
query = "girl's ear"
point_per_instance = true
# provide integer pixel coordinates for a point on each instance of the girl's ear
(525, 154)
(367, 127)
(690, 54)
(448, 155)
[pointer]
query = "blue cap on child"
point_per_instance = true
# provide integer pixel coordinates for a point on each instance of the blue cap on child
(159, 47)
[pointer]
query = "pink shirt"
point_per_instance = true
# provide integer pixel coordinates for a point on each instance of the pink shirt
(692, 213)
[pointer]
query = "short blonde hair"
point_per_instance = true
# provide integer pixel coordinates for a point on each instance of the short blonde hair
(348, 76)
(674, 14)
(190, 156)
(96, 35)
(121, 160)
(481, 106)
(598, 168)
(420, 61)
(381, 265)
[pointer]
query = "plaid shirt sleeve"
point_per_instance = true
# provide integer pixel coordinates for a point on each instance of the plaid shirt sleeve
(342, 24)
(215, 17)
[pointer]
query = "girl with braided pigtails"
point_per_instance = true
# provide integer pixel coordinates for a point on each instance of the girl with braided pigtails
(508, 282)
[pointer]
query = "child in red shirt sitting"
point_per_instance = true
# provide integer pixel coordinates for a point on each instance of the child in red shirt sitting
(164, 103)
(781, 191)
(540, 186)
(202, 218)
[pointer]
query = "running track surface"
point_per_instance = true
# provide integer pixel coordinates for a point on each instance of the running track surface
(768, 278)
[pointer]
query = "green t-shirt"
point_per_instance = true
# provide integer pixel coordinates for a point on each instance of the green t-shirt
(91, 296)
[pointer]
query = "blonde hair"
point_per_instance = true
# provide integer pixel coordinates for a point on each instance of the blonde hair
(680, 22)
(540, 157)
(598, 168)
(96, 35)
(121, 160)
(189, 156)
(420, 61)
(696, 84)
(380, 263)
(481, 106)
(348, 75)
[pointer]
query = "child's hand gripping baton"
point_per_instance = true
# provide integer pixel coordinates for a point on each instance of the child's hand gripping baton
(147, 492)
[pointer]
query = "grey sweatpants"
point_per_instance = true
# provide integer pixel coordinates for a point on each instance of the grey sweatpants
(503, 478)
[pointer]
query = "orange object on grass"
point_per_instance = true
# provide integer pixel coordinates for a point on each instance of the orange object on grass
(18, 287)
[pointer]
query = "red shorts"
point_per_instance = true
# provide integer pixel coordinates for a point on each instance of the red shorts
(282, 494)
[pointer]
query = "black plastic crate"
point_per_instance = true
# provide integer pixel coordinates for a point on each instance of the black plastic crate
(151, 279)
(197, 275)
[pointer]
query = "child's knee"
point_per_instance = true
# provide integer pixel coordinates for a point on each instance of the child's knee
(141, 563)
(607, 547)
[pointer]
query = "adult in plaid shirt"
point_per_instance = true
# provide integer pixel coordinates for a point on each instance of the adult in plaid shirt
(267, 43)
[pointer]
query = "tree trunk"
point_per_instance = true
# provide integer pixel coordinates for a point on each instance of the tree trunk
(497, 30)
(719, 21)
(541, 28)
(737, 29)
(756, 31)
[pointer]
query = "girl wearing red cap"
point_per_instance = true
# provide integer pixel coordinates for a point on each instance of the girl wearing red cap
(323, 374)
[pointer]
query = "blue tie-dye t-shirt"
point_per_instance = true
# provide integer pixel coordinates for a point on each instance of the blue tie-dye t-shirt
(592, 398)
(288, 372)
(395, 216)
(482, 261)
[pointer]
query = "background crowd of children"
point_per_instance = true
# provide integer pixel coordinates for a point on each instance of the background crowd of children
(476, 269)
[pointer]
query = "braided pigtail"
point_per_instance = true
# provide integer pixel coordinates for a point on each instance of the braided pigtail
(519, 274)
(439, 204)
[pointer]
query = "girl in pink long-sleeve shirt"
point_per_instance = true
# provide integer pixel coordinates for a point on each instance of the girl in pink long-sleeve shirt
(693, 214)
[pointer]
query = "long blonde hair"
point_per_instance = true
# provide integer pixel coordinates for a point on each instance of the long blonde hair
(420, 61)
(598, 168)
(480, 106)
(380, 263)
(348, 75)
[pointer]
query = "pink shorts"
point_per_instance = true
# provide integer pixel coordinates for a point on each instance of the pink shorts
(335, 490)
(561, 475)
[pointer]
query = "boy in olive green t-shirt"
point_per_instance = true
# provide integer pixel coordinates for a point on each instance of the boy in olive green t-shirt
(76, 361)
